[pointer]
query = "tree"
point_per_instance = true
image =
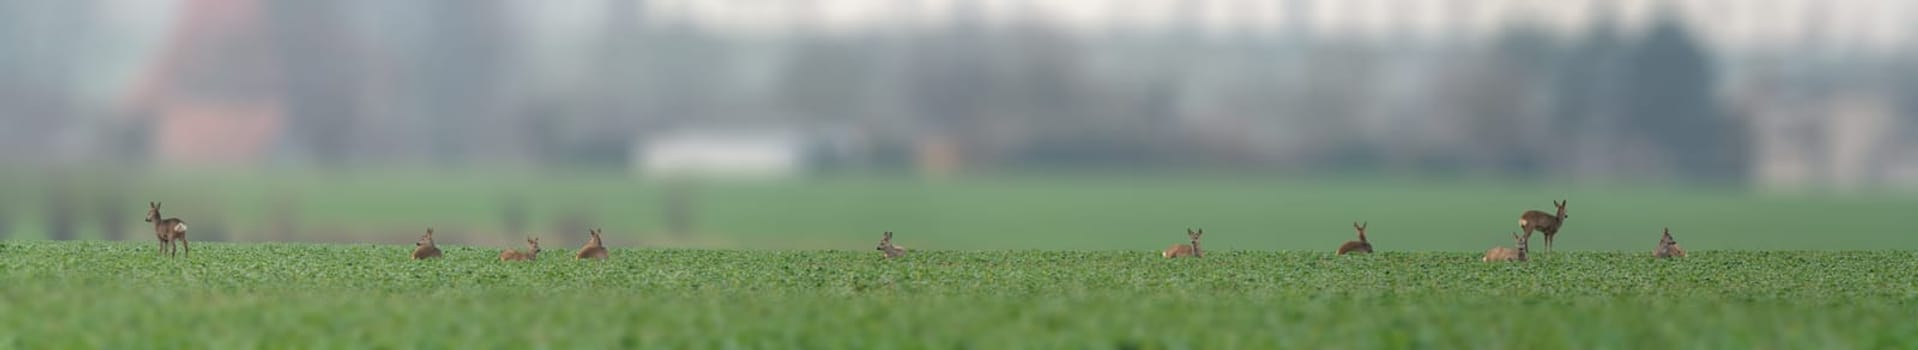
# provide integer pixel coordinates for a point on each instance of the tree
(1670, 102)
(322, 76)
(460, 62)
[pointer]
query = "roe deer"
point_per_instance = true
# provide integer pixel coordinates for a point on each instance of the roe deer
(1533, 220)
(1358, 246)
(169, 230)
(1191, 250)
(892, 250)
(1668, 247)
(1508, 254)
(425, 249)
(532, 244)
(594, 249)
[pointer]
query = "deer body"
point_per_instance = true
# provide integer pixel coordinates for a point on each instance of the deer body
(891, 250)
(425, 249)
(1668, 247)
(1533, 220)
(532, 246)
(1185, 250)
(168, 230)
(1508, 254)
(594, 249)
(1358, 246)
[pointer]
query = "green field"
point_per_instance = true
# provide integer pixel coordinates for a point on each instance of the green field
(1002, 212)
(91, 294)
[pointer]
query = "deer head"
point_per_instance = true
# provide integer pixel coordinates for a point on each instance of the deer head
(1361, 227)
(425, 240)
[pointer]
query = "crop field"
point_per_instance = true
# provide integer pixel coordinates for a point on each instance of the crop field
(1001, 262)
(91, 294)
(1045, 212)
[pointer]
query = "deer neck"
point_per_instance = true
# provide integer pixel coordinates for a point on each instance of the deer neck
(1195, 248)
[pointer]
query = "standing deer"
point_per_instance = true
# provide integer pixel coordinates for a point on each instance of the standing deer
(1668, 247)
(892, 250)
(1358, 246)
(1508, 254)
(425, 249)
(1533, 220)
(532, 246)
(1191, 250)
(594, 249)
(168, 230)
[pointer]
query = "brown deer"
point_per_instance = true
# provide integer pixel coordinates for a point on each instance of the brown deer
(594, 249)
(169, 230)
(1533, 220)
(1358, 246)
(1191, 250)
(532, 244)
(425, 249)
(1668, 247)
(892, 250)
(1508, 254)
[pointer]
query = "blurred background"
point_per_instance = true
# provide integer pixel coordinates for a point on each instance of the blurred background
(963, 124)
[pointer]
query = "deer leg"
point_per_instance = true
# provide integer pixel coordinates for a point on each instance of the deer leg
(161, 249)
(188, 247)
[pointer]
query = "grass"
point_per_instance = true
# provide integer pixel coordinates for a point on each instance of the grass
(92, 294)
(1051, 212)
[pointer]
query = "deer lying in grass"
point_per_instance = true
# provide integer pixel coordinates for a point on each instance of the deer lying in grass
(532, 244)
(594, 249)
(1508, 254)
(1191, 250)
(1533, 220)
(1358, 246)
(892, 250)
(425, 249)
(1668, 247)
(168, 230)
